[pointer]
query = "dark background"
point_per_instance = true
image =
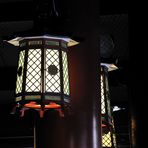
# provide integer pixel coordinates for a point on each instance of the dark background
(18, 16)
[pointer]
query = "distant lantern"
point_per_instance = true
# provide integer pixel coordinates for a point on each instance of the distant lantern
(42, 75)
(108, 131)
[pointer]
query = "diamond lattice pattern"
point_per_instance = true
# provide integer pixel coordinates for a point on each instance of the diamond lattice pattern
(106, 140)
(65, 73)
(52, 81)
(102, 97)
(33, 76)
(20, 78)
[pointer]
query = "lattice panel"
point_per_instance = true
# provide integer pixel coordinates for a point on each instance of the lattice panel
(33, 76)
(65, 73)
(20, 78)
(114, 135)
(103, 111)
(106, 140)
(114, 140)
(52, 81)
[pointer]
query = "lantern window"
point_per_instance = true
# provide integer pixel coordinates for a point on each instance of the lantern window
(102, 97)
(20, 77)
(33, 79)
(108, 133)
(65, 73)
(106, 140)
(42, 78)
(52, 81)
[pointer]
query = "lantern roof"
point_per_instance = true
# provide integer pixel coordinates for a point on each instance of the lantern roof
(110, 67)
(70, 41)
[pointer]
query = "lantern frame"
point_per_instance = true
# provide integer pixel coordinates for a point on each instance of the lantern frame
(47, 47)
(108, 131)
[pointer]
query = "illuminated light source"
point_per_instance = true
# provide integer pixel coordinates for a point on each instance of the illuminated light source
(117, 108)
(108, 131)
(42, 75)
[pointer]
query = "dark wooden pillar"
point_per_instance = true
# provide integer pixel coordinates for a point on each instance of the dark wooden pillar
(86, 125)
(82, 128)
(138, 85)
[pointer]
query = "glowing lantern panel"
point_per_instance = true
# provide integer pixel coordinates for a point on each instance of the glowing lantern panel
(108, 133)
(42, 76)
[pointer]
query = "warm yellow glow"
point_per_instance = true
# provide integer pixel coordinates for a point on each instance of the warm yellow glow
(33, 76)
(102, 97)
(65, 73)
(106, 140)
(20, 78)
(52, 81)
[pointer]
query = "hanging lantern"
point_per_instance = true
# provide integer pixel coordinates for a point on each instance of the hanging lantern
(42, 75)
(108, 133)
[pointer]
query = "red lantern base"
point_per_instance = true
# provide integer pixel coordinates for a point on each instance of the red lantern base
(39, 108)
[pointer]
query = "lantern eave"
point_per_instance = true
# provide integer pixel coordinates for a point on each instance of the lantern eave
(70, 42)
(110, 67)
